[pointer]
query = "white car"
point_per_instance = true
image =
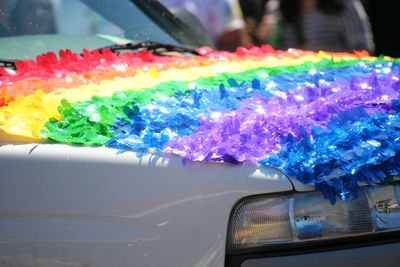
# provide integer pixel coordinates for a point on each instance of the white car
(74, 205)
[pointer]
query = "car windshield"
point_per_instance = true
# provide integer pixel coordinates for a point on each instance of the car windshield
(32, 27)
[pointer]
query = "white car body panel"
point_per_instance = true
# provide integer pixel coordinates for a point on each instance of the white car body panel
(62, 205)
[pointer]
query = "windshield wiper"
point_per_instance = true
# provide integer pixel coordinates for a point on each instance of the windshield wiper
(156, 48)
(8, 63)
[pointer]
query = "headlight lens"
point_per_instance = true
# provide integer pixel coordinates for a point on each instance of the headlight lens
(265, 220)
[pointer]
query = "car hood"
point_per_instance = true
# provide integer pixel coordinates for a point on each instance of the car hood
(157, 164)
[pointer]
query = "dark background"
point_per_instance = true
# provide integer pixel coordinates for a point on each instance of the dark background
(384, 17)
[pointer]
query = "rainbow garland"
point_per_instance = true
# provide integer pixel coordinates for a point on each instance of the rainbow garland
(328, 119)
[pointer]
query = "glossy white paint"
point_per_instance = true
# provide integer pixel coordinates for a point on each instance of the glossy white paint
(299, 186)
(79, 206)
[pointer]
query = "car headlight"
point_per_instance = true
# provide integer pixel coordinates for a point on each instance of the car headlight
(260, 221)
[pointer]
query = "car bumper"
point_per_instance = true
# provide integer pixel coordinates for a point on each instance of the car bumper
(367, 254)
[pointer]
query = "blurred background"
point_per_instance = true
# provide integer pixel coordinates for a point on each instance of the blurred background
(332, 25)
